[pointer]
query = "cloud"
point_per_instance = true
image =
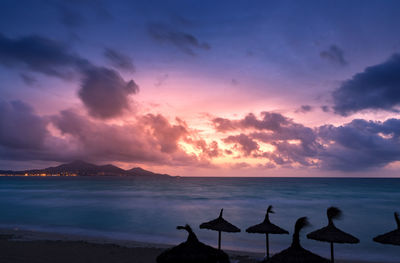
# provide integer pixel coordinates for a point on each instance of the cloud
(376, 88)
(224, 125)
(292, 142)
(39, 54)
(245, 144)
(119, 60)
(355, 146)
(100, 141)
(269, 121)
(209, 150)
(152, 138)
(166, 134)
(325, 108)
(24, 135)
(20, 127)
(305, 109)
(360, 145)
(186, 42)
(335, 55)
(105, 93)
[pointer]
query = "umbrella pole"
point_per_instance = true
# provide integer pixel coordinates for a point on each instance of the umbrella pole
(219, 240)
(267, 246)
(332, 257)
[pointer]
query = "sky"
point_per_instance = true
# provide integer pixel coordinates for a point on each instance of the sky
(202, 88)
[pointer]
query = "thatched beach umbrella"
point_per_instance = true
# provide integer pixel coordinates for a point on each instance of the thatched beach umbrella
(192, 251)
(296, 253)
(392, 237)
(331, 233)
(266, 227)
(220, 225)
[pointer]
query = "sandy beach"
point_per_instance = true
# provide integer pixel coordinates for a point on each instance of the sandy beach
(23, 246)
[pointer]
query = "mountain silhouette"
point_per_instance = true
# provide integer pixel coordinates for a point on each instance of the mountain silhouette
(81, 168)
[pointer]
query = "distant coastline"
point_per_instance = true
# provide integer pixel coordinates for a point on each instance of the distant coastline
(81, 168)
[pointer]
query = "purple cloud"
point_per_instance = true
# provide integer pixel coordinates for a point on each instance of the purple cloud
(376, 88)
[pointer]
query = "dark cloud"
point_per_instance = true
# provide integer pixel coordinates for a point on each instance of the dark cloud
(355, 146)
(228, 152)
(119, 60)
(335, 55)
(360, 145)
(268, 121)
(208, 150)
(224, 125)
(24, 135)
(184, 41)
(325, 108)
(305, 109)
(376, 88)
(39, 54)
(105, 93)
(293, 143)
(20, 127)
(244, 143)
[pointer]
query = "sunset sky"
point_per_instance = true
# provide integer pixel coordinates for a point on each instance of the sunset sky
(202, 88)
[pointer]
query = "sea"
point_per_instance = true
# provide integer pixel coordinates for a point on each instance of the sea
(149, 210)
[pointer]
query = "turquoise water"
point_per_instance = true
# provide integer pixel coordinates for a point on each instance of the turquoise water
(149, 210)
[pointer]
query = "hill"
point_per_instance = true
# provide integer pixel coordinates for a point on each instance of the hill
(81, 168)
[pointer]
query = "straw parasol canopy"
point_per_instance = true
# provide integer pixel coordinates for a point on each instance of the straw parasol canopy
(331, 233)
(266, 227)
(296, 253)
(220, 225)
(192, 251)
(393, 237)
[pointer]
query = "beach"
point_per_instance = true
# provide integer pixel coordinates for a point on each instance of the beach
(24, 246)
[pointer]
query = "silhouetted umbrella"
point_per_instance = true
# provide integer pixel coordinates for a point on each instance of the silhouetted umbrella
(220, 225)
(266, 227)
(296, 253)
(331, 233)
(192, 251)
(393, 237)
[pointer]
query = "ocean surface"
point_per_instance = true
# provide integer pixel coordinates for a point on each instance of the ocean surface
(149, 210)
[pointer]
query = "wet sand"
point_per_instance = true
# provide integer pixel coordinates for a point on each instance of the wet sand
(17, 246)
